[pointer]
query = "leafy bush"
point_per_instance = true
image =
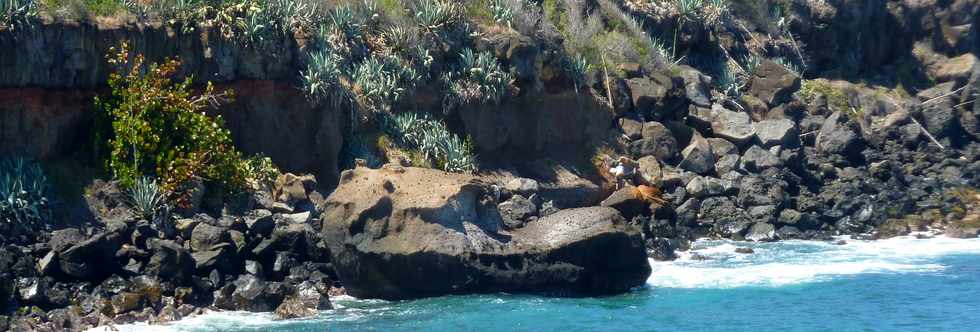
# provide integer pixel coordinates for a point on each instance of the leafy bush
(23, 196)
(262, 173)
(478, 78)
(17, 14)
(158, 128)
(146, 197)
(432, 139)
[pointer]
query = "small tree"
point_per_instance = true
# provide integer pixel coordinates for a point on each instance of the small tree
(159, 129)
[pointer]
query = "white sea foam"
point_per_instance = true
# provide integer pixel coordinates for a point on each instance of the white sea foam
(771, 265)
(795, 262)
(208, 321)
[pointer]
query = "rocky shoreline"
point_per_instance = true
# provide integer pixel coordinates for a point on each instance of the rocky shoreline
(577, 186)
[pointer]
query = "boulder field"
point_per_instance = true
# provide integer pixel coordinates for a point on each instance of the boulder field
(399, 233)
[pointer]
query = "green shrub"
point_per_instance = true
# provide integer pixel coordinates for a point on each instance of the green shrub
(262, 173)
(23, 196)
(85, 9)
(158, 128)
(105, 7)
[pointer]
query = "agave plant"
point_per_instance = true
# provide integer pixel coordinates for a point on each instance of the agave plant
(321, 79)
(729, 80)
(16, 14)
(457, 155)
(578, 69)
(146, 197)
(377, 84)
(432, 139)
(502, 13)
(669, 56)
(23, 194)
(435, 14)
(342, 19)
(479, 79)
(789, 65)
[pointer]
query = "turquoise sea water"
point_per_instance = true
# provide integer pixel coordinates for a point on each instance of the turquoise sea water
(895, 285)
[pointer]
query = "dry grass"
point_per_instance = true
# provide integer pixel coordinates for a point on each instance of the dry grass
(649, 194)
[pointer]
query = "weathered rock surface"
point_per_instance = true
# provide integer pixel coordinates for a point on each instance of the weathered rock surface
(772, 83)
(399, 233)
(733, 126)
(658, 141)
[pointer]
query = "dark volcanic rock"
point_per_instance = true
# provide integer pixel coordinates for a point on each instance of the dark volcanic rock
(773, 83)
(307, 300)
(698, 156)
(736, 127)
(438, 234)
(757, 159)
(65, 238)
(516, 211)
(625, 201)
(658, 141)
(761, 232)
(205, 236)
(837, 137)
(93, 259)
(170, 261)
(250, 293)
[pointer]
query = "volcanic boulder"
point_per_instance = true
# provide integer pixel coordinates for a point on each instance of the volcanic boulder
(400, 233)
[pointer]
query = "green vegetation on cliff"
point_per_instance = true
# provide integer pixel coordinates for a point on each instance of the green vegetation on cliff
(153, 126)
(24, 191)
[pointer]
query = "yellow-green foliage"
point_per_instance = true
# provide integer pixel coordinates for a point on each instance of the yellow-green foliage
(966, 213)
(479, 11)
(392, 8)
(813, 89)
(553, 13)
(80, 9)
(153, 126)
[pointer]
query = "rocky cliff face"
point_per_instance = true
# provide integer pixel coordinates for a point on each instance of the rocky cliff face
(868, 37)
(52, 73)
(72, 55)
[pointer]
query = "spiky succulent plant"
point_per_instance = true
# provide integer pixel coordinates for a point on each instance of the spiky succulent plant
(146, 197)
(23, 195)
(17, 14)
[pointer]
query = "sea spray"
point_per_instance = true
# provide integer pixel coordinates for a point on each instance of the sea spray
(903, 283)
(716, 264)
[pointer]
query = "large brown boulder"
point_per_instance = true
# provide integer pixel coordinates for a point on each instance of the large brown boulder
(399, 233)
